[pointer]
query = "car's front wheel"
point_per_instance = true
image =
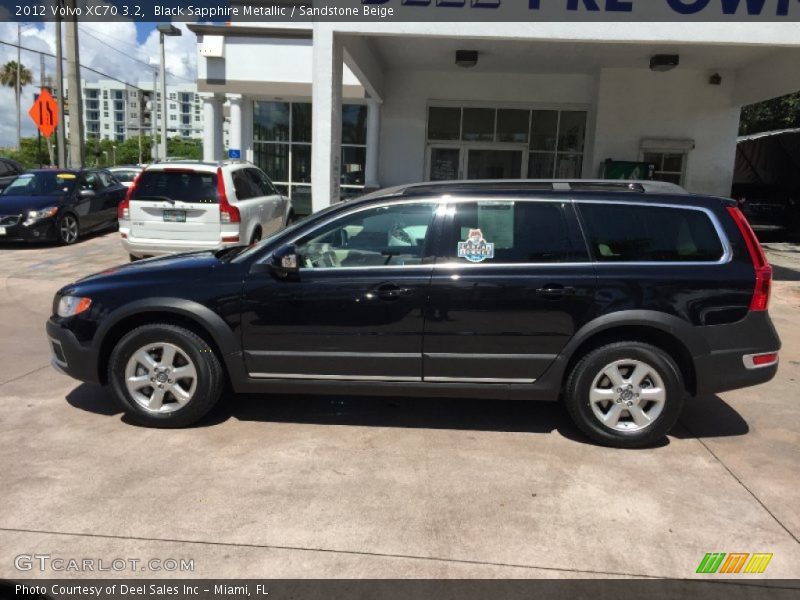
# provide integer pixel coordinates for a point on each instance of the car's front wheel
(625, 394)
(164, 375)
(67, 229)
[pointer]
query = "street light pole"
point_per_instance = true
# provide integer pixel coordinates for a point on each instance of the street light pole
(164, 30)
(61, 129)
(19, 87)
(153, 117)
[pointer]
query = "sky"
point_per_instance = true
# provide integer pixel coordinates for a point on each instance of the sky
(121, 49)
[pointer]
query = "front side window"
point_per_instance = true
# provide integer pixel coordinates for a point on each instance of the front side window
(509, 232)
(626, 233)
(376, 237)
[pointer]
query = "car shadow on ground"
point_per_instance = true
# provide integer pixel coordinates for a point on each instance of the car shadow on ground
(706, 417)
(84, 237)
(784, 274)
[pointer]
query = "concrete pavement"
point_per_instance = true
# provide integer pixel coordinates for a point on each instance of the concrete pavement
(297, 486)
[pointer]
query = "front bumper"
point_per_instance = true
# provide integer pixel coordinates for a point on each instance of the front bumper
(69, 356)
(39, 231)
(725, 367)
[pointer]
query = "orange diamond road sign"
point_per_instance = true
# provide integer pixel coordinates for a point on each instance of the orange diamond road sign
(44, 113)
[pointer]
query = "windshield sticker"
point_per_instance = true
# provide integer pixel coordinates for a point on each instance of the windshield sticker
(475, 248)
(65, 175)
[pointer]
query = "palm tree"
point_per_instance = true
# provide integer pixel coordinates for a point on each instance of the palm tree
(8, 78)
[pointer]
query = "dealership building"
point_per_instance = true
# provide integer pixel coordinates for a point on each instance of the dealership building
(328, 109)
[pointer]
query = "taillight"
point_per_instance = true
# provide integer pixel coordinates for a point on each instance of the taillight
(124, 207)
(227, 212)
(760, 300)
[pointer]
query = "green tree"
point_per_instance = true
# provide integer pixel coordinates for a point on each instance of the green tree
(8, 78)
(778, 113)
(191, 148)
(31, 154)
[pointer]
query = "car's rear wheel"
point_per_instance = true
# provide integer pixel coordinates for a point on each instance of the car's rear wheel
(625, 394)
(256, 237)
(165, 376)
(67, 229)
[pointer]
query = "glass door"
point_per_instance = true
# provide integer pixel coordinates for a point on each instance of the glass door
(444, 163)
(491, 163)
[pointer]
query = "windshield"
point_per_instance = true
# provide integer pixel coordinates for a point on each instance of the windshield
(126, 175)
(41, 184)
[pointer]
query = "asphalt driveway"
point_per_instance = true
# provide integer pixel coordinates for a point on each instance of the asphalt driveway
(299, 486)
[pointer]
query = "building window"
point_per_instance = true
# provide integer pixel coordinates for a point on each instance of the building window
(504, 142)
(668, 166)
(282, 148)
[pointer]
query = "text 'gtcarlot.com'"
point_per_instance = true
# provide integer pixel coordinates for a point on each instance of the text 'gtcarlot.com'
(46, 562)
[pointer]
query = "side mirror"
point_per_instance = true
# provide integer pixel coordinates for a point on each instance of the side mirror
(285, 262)
(86, 193)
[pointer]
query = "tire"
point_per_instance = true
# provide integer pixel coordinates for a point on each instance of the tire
(290, 218)
(67, 229)
(624, 414)
(134, 258)
(256, 237)
(183, 400)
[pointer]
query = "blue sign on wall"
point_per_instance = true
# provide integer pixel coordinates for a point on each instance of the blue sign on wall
(234, 153)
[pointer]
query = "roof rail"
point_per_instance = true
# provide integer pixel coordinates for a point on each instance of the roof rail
(616, 185)
(233, 161)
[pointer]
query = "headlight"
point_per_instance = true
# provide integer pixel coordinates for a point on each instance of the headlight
(70, 306)
(37, 215)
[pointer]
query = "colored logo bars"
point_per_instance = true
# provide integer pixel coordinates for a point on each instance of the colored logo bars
(737, 562)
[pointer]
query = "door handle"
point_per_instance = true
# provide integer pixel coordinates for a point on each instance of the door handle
(391, 291)
(555, 290)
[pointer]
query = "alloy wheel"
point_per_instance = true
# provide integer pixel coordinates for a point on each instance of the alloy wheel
(68, 229)
(161, 378)
(627, 395)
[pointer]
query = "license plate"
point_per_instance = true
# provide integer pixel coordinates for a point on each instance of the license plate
(2, 230)
(175, 216)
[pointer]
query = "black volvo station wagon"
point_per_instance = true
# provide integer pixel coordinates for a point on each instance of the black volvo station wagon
(620, 299)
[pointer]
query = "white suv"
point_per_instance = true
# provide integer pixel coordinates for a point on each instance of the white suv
(189, 205)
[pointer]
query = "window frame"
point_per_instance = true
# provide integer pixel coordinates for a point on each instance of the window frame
(727, 249)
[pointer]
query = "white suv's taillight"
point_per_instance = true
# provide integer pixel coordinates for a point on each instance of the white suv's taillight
(227, 212)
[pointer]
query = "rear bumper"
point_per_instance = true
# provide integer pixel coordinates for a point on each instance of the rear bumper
(725, 367)
(141, 247)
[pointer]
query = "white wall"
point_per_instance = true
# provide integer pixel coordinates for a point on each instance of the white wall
(637, 103)
(264, 59)
(403, 114)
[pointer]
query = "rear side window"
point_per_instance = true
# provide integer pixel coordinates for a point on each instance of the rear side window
(496, 231)
(635, 233)
(187, 186)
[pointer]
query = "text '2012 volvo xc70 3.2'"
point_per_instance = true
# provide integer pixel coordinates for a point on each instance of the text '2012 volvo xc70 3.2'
(622, 300)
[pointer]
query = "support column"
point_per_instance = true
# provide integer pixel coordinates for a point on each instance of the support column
(235, 131)
(212, 127)
(373, 144)
(326, 135)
